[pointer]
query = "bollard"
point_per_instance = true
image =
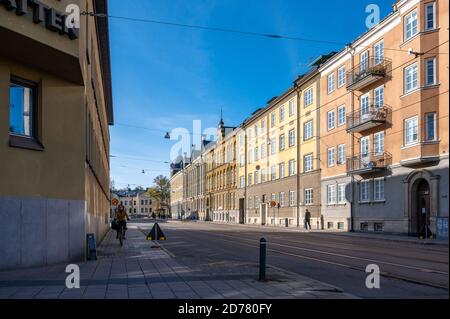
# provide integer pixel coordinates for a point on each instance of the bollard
(262, 259)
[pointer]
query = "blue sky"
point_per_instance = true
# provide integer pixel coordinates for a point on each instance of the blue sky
(165, 77)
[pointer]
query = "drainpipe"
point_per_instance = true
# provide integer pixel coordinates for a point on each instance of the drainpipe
(352, 107)
(298, 90)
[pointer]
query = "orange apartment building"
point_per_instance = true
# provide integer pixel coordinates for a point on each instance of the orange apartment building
(384, 125)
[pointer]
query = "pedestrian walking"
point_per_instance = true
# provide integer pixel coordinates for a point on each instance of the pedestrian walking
(307, 219)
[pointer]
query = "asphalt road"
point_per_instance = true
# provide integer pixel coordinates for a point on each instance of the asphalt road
(408, 270)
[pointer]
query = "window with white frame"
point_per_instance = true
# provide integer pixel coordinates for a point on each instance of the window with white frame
(250, 156)
(411, 25)
(263, 175)
(365, 105)
(309, 196)
(378, 189)
(281, 170)
(274, 197)
(263, 125)
(430, 16)
(273, 146)
(308, 130)
(291, 167)
(282, 199)
(411, 130)
(341, 77)
(282, 142)
(250, 179)
(273, 172)
(364, 191)
(364, 59)
(430, 119)
(273, 120)
(308, 163)
(378, 143)
(378, 97)
(309, 98)
(330, 120)
(341, 193)
(263, 150)
(341, 115)
(291, 107)
(256, 153)
(242, 160)
(291, 137)
(411, 78)
(250, 202)
(331, 194)
(341, 154)
(291, 198)
(330, 83)
(281, 114)
(431, 71)
(379, 52)
(331, 156)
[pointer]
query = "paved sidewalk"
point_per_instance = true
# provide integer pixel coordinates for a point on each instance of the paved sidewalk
(379, 236)
(138, 271)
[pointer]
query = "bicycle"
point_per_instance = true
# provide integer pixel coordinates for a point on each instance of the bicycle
(121, 233)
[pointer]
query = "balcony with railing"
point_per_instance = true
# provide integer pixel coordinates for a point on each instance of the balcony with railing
(367, 118)
(367, 163)
(368, 72)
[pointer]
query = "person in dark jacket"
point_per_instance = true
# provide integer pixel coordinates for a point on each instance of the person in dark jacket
(307, 219)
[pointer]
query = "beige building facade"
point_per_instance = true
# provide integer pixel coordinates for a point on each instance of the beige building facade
(55, 111)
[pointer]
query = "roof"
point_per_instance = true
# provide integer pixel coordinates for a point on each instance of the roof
(101, 6)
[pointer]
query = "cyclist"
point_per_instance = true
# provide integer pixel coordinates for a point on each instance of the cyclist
(122, 217)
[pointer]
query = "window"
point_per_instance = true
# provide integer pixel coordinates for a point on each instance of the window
(291, 167)
(340, 225)
(281, 114)
(274, 197)
(330, 120)
(250, 179)
(341, 154)
(142, 202)
(341, 193)
(291, 107)
(365, 106)
(250, 202)
(379, 52)
(378, 97)
(291, 138)
(308, 130)
(263, 150)
(430, 14)
(430, 119)
(263, 175)
(263, 125)
(341, 115)
(431, 71)
(273, 173)
(308, 163)
(256, 153)
(331, 154)
(364, 59)
(378, 227)
(411, 25)
(365, 145)
(282, 142)
(411, 130)
(364, 191)
(291, 198)
(331, 194)
(364, 227)
(256, 174)
(341, 77)
(378, 143)
(378, 189)
(22, 108)
(242, 160)
(250, 156)
(282, 199)
(309, 98)
(281, 170)
(330, 83)
(330, 225)
(273, 146)
(273, 120)
(309, 196)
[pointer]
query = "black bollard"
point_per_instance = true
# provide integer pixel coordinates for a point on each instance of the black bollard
(262, 259)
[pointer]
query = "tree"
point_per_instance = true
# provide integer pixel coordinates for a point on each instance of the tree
(161, 192)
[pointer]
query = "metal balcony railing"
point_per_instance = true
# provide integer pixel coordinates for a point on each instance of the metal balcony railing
(368, 162)
(368, 117)
(368, 72)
